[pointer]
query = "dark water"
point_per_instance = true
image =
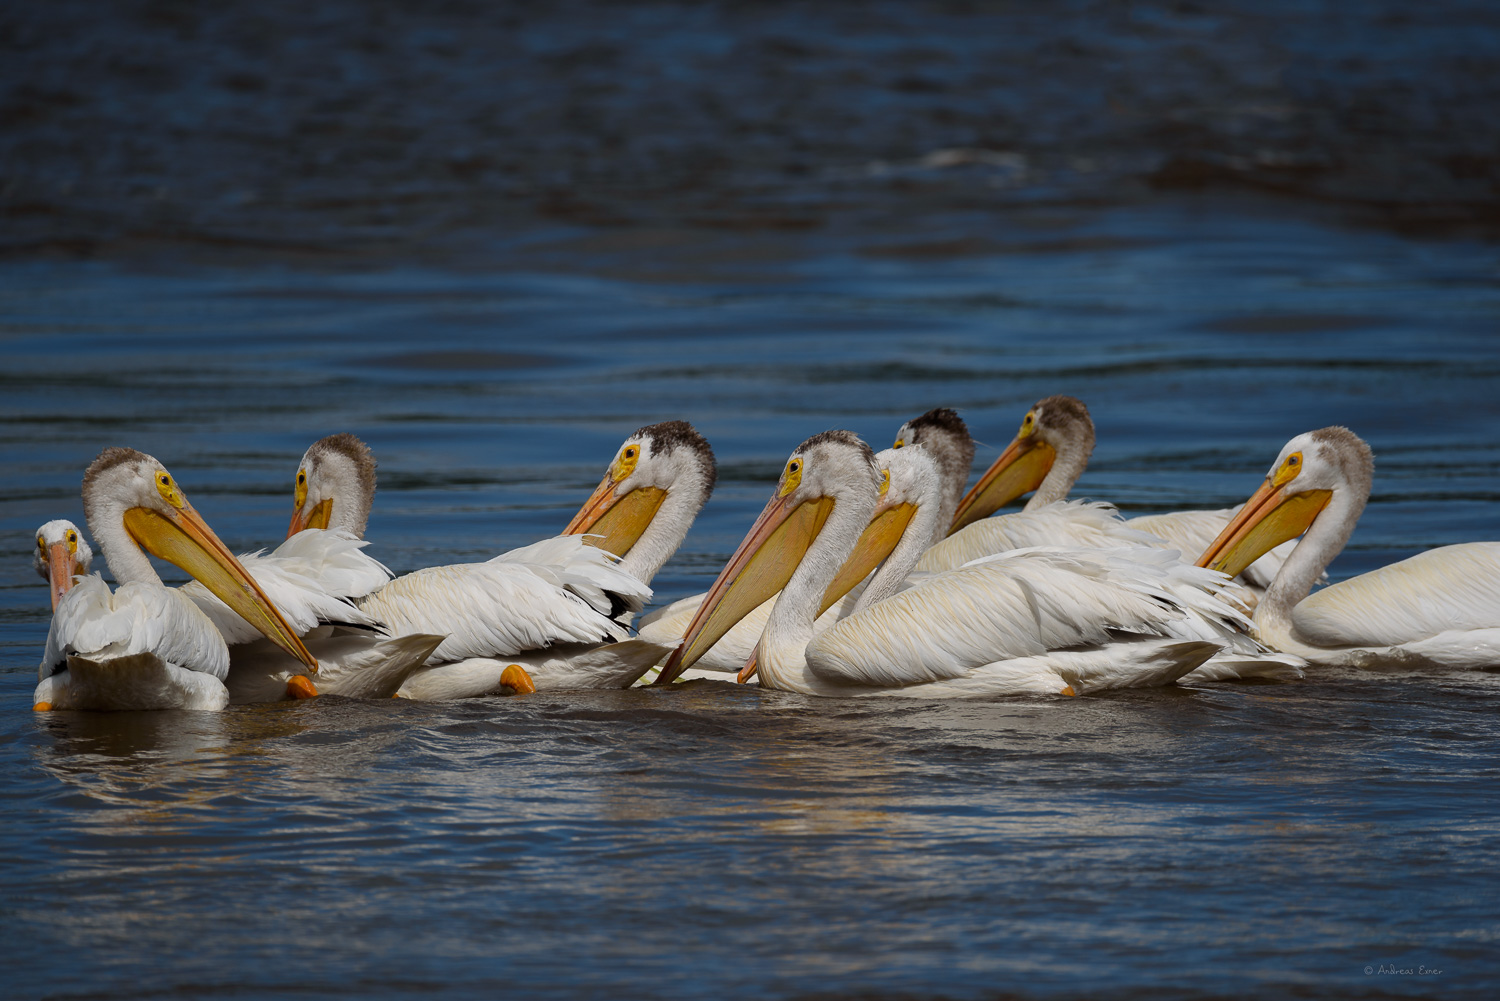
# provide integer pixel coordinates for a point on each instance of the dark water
(232, 232)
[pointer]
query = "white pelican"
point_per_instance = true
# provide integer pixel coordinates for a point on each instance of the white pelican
(641, 511)
(314, 578)
(1055, 620)
(947, 439)
(61, 554)
(335, 487)
(1048, 455)
(1438, 609)
(146, 646)
(544, 608)
(540, 617)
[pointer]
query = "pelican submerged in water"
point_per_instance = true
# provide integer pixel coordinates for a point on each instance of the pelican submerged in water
(148, 646)
(1438, 609)
(1049, 620)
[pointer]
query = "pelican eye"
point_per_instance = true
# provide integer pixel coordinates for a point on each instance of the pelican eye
(168, 489)
(791, 478)
(1027, 426)
(1290, 467)
(626, 463)
(900, 443)
(299, 496)
(885, 482)
(72, 542)
(41, 545)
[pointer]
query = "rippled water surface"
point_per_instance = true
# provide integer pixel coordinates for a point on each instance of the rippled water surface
(218, 264)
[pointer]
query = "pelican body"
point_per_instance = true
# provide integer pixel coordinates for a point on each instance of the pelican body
(1048, 455)
(1436, 610)
(147, 646)
(1055, 620)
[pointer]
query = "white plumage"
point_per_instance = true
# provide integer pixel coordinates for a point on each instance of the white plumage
(147, 646)
(1048, 619)
(1048, 455)
(1439, 609)
(142, 647)
(550, 606)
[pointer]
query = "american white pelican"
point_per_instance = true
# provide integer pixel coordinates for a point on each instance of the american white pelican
(1047, 456)
(1051, 620)
(146, 646)
(641, 511)
(61, 554)
(947, 439)
(314, 578)
(335, 487)
(1438, 609)
(548, 608)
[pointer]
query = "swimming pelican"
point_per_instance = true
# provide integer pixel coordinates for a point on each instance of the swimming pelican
(1438, 609)
(1050, 620)
(544, 616)
(547, 608)
(1048, 455)
(61, 554)
(147, 646)
(314, 577)
(946, 438)
(659, 480)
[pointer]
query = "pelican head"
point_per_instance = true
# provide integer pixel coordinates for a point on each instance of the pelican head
(951, 446)
(658, 462)
(133, 503)
(1315, 469)
(1057, 425)
(910, 482)
(831, 471)
(61, 555)
(335, 486)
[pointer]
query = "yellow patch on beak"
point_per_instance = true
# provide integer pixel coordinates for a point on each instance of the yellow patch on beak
(1020, 469)
(759, 568)
(880, 536)
(318, 517)
(186, 541)
(1270, 517)
(617, 521)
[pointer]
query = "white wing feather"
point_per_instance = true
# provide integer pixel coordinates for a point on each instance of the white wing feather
(93, 623)
(557, 591)
(297, 594)
(1450, 589)
(1022, 604)
(1086, 524)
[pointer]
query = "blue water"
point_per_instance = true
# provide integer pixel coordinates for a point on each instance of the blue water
(712, 839)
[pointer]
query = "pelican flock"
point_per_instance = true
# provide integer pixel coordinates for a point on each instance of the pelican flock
(866, 574)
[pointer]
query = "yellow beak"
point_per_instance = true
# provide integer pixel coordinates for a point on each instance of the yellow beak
(1270, 517)
(621, 520)
(316, 518)
(1019, 470)
(760, 567)
(61, 566)
(875, 543)
(185, 540)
